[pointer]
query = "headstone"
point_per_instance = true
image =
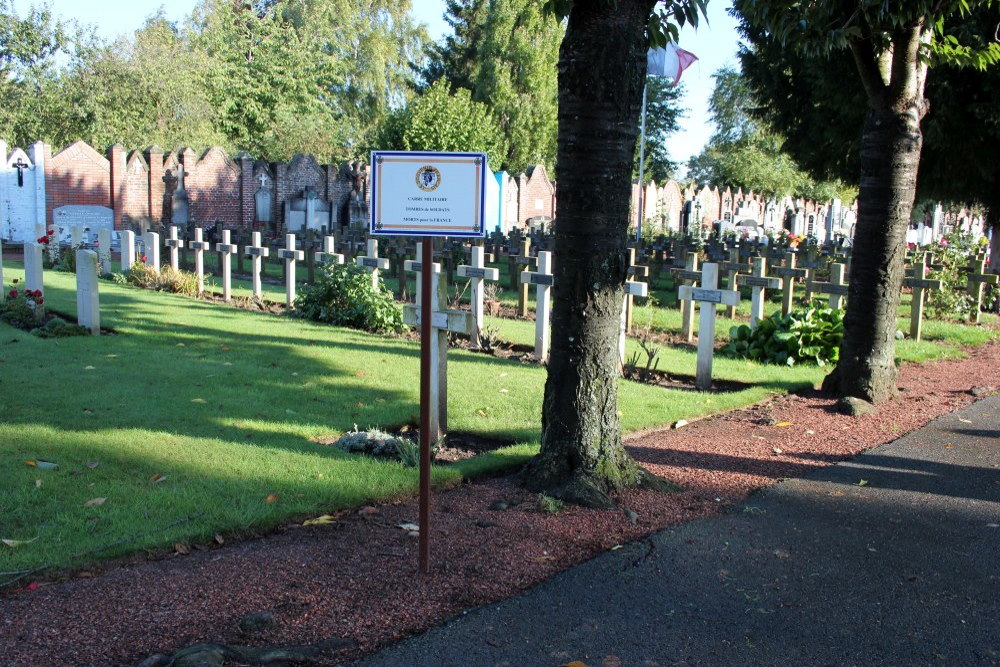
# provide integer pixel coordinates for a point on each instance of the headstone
(81, 223)
(263, 204)
(477, 272)
(836, 288)
(88, 308)
(33, 272)
(256, 251)
(759, 282)
(307, 211)
(919, 285)
(75, 236)
(199, 245)
(977, 278)
(127, 250)
(708, 295)
(543, 280)
(104, 250)
(290, 255)
(152, 250)
(179, 213)
(373, 262)
(175, 244)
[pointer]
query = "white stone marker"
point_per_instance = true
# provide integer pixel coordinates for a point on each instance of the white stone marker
(373, 262)
(104, 249)
(290, 255)
(415, 266)
(175, 244)
(759, 282)
(707, 296)
(836, 288)
(256, 251)
(477, 272)
(3, 290)
(690, 276)
(919, 284)
(228, 249)
(543, 280)
(442, 321)
(76, 236)
(127, 250)
(634, 271)
(33, 273)
(329, 254)
(88, 307)
(199, 246)
(152, 242)
(633, 288)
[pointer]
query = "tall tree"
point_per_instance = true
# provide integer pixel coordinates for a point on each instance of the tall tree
(892, 46)
(455, 58)
(602, 67)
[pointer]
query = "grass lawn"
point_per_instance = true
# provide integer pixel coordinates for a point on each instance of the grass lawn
(197, 419)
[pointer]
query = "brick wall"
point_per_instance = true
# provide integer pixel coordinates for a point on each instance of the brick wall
(536, 194)
(213, 188)
(76, 175)
(135, 189)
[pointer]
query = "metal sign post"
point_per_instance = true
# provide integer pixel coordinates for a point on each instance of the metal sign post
(431, 195)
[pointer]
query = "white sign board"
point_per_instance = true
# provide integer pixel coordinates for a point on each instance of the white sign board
(428, 194)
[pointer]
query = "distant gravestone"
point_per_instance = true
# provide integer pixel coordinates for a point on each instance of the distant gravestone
(151, 241)
(263, 205)
(104, 250)
(80, 223)
(127, 250)
(88, 310)
(179, 209)
(33, 275)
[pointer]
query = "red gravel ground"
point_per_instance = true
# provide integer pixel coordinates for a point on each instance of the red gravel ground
(356, 579)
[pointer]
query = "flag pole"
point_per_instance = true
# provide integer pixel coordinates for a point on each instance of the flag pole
(642, 156)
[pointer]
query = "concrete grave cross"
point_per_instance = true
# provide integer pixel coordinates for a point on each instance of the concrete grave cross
(329, 254)
(151, 240)
(199, 246)
(633, 288)
(634, 271)
(88, 308)
(688, 276)
(789, 274)
(543, 280)
(227, 249)
(919, 285)
(373, 262)
(127, 250)
(759, 281)
(525, 261)
(477, 272)
(256, 251)
(977, 278)
(290, 255)
(175, 244)
(707, 296)
(733, 267)
(414, 266)
(836, 288)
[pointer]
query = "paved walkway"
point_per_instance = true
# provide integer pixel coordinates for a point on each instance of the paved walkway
(892, 558)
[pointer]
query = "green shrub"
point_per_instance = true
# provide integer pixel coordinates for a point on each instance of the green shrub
(809, 335)
(57, 327)
(343, 295)
(21, 308)
(952, 301)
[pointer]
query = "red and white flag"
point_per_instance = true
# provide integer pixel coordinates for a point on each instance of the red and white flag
(669, 62)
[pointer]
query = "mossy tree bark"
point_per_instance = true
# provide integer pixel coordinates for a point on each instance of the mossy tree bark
(602, 65)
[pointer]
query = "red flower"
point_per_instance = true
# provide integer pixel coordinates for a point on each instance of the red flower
(144, 259)
(12, 294)
(42, 239)
(39, 301)
(51, 232)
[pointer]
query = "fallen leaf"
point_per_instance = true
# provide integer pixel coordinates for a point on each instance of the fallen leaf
(88, 411)
(198, 400)
(409, 526)
(810, 432)
(776, 450)
(782, 424)
(228, 363)
(965, 421)
(616, 547)
(94, 502)
(271, 498)
(219, 539)
(837, 494)
(182, 548)
(320, 520)
(360, 374)
(863, 482)
(504, 391)
(781, 553)
(38, 483)
(543, 559)
(949, 446)
(225, 349)
(679, 423)
(93, 464)
(33, 586)
(181, 345)
(13, 544)
(111, 356)
(156, 478)
(88, 368)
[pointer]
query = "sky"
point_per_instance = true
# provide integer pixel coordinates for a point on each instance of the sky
(714, 43)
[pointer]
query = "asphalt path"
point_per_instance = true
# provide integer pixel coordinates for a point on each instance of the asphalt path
(891, 558)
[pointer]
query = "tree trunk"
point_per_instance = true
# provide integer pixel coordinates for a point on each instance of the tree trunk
(601, 70)
(890, 156)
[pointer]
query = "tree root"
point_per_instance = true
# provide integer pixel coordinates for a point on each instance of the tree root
(591, 491)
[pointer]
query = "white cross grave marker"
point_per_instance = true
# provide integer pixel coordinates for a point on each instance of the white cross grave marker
(228, 249)
(329, 253)
(543, 280)
(759, 282)
(174, 244)
(199, 246)
(127, 249)
(634, 271)
(633, 288)
(290, 255)
(88, 307)
(415, 266)
(733, 267)
(836, 288)
(690, 276)
(152, 242)
(789, 274)
(76, 236)
(977, 278)
(919, 284)
(707, 296)
(373, 262)
(256, 250)
(477, 272)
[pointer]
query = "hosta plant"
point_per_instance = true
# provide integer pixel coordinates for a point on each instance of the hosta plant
(808, 335)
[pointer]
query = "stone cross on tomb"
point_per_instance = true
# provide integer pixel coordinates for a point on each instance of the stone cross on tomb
(543, 280)
(708, 295)
(442, 321)
(199, 246)
(290, 255)
(151, 241)
(227, 249)
(688, 276)
(329, 254)
(476, 273)
(175, 244)
(256, 251)
(789, 274)
(977, 278)
(88, 308)
(263, 180)
(733, 267)
(633, 288)
(634, 271)
(373, 262)
(836, 288)
(919, 285)
(416, 266)
(759, 281)
(524, 261)
(127, 249)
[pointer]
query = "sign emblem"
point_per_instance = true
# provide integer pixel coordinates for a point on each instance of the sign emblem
(428, 178)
